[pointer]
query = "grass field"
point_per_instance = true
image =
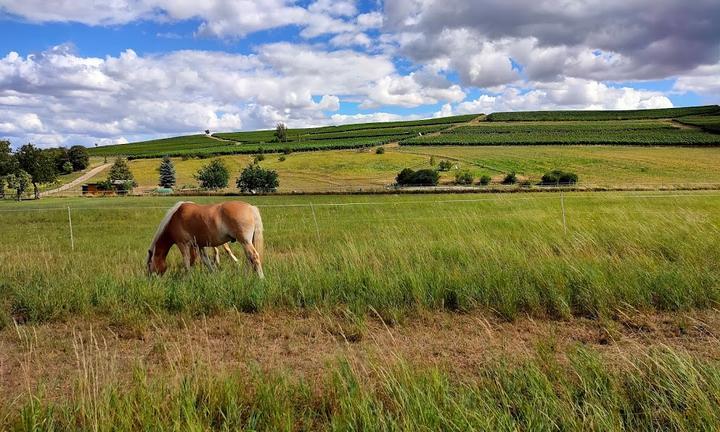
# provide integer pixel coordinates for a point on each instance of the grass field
(603, 115)
(508, 254)
(336, 170)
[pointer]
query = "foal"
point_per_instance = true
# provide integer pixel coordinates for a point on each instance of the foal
(194, 227)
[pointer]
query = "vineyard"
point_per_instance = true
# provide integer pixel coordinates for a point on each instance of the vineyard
(603, 115)
(314, 139)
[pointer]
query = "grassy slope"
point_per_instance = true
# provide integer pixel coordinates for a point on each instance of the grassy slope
(339, 169)
(503, 253)
(710, 123)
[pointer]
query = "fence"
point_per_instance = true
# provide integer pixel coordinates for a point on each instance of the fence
(317, 223)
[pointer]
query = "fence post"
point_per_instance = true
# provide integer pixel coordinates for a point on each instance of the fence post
(562, 206)
(317, 229)
(72, 239)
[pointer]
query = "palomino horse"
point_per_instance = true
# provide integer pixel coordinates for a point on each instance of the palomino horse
(194, 227)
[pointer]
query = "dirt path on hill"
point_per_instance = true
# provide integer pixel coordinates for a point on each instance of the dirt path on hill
(82, 179)
(308, 343)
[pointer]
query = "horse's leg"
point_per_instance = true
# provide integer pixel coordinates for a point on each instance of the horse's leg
(253, 257)
(206, 259)
(226, 246)
(217, 256)
(187, 254)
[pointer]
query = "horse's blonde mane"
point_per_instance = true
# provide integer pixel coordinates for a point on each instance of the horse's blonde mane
(165, 221)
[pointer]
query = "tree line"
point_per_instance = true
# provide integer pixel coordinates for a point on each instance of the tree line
(33, 166)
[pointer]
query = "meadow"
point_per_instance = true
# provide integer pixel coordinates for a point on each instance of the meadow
(363, 169)
(508, 254)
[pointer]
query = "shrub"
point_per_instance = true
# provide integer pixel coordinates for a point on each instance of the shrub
(423, 177)
(463, 177)
(255, 179)
(380, 150)
(432, 160)
(214, 175)
(258, 158)
(281, 159)
(485, 179)
(67, 167)
(559, 177)
(526, 183)
(445, 165)
(510, 178)
(287, 150)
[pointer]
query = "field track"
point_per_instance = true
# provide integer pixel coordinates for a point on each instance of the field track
(82, 179)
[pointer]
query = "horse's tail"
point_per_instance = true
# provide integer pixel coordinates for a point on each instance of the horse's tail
(257, 239)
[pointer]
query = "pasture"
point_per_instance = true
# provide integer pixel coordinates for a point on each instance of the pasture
(414, 311)
(509, 254)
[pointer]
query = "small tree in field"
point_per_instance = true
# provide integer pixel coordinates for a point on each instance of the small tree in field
(167, 173)
(120, 171)
(214, 175)
(463, 177)
(20, 181)
(281, 132)
(255, 178)
(38, 164)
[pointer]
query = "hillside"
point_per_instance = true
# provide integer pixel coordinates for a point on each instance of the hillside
(689, 126)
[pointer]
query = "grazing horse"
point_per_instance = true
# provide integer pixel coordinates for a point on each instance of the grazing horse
(194, 227)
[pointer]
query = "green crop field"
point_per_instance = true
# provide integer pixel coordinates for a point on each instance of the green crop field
(603, 115)
(710, 123)
(618, 133)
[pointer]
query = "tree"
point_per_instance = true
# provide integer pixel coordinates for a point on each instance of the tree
(256, 179)
(423, 177)
(281, 132)
(38, 164)
(79, 157)
(120, 171)
(167, 173)
(214, 175)
(20, 181)
(463, 177)
(510, 178)
(8, 162)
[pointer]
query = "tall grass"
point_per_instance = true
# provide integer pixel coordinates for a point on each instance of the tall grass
(506, 254)
(656, 390)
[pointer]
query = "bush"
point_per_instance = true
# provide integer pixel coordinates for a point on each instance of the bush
(380, 150)
(258, 158)
(485, 179)
(463, 177)
(445, 165)
(287, 150)
(510, 178)
(255, 179)
(526, 183)
(67, 167)
(423, 177)
(559, 177)
(214, 175)
(281, 159)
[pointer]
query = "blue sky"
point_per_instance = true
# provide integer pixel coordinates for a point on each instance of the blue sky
(75, 72)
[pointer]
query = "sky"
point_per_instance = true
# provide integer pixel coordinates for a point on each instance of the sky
(102, 72)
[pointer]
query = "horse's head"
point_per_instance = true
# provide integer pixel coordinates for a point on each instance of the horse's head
(155, 263)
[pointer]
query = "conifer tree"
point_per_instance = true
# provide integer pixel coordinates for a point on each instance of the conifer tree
(167, 173)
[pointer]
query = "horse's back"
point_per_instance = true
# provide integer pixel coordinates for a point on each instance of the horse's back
(214, 224)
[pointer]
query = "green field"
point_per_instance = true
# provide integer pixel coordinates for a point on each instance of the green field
(619, 250)
(337, 170)
(312, 139)
(653, 133)
(710, 123)
(603, 115)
